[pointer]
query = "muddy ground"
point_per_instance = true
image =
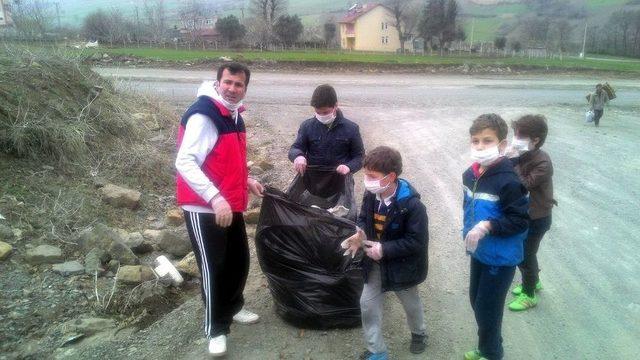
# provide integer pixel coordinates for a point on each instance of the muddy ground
(589, 307)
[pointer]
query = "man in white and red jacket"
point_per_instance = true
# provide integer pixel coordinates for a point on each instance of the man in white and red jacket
(212, 189)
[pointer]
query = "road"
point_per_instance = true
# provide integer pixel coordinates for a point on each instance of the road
(590, 304)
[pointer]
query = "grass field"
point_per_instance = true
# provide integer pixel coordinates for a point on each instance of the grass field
(630, 65)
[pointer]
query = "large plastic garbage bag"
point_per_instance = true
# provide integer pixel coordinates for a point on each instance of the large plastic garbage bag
(313, 285)
(323, 187)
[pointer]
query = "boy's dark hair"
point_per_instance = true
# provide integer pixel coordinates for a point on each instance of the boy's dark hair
(532, 126)
(490, 121)
(235, 68)
(384, 159)
(324, 96)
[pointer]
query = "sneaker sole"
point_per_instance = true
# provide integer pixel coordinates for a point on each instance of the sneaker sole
(247, 322)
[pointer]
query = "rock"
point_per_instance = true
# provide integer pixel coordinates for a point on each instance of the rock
(252, 216)
(157, 225)
(88, 326)
(135, 274)
(5, 250)
(95, 260)
(175, 217)
(100, 236)
(69, 268)
(113, 266)
(121, 197)
(188, 265)
(121, 252)
(6, 233)
(152, 235)
(148, 293)
(138, 244)
(44, 254)
(174, 243)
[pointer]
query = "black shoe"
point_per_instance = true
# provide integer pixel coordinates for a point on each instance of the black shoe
(365, 355)
(418, 343)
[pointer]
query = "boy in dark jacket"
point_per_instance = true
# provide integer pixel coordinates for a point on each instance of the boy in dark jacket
(495, 225)
(535, 170)
(328, 138)
(392, 225)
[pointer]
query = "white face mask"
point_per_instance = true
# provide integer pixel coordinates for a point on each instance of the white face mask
(373, 186)
(326, 119)
(521, 145)
(233, 107)
(485, 157)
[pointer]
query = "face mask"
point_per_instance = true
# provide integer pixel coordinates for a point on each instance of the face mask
(485, 157)
(326, 119)
(373, 186)
(521, 145)
(233, 107)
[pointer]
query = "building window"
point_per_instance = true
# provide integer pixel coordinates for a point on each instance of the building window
(383, 39)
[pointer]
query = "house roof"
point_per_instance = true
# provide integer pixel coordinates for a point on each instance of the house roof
(354, 14)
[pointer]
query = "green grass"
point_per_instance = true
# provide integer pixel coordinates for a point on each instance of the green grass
(632, 66)
(485, 29)
(491, 10)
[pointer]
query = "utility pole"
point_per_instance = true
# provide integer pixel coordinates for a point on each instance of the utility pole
(584, 43)
(473, 25)
(57, 5)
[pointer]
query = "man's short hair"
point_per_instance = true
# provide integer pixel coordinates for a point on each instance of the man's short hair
(324, 96)
(490, 121)
(235, 68)
(532, 126)
(384, 159)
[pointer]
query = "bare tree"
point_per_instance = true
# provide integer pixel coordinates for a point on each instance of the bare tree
(155, 19)
(269, 10)
(404, 19)
(32, 18)
(192, 17)
(561, 35)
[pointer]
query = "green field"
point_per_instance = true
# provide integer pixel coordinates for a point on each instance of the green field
(628, 65)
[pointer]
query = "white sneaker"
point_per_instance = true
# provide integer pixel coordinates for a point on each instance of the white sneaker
(218, 346)
(246, 317)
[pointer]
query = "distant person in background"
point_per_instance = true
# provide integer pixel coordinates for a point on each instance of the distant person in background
(597, 101)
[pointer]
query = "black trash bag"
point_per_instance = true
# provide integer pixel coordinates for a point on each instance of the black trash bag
(313, 285)
(323, 187)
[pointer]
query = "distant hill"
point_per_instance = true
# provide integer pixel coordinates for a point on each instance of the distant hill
(487, 16)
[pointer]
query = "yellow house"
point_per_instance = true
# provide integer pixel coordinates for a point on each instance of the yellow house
(370, 27)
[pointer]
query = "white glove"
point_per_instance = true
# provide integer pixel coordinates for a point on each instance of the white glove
(222, 211)
(300, 164)
(475, 235)
(353, 243)
(343, 169)
(373, 249)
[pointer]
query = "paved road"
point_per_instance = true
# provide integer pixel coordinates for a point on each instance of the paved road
(590, 305)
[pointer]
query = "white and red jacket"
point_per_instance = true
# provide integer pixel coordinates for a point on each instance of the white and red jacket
(212, 155)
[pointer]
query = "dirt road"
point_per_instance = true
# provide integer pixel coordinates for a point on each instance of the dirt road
(589, 308)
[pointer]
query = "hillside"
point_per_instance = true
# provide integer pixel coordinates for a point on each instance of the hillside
(489, 15)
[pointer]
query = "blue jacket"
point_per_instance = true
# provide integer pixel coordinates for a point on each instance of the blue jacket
(405, 238)
(333, 145)
(498, 196)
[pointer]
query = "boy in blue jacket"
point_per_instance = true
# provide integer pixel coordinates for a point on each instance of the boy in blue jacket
(392, 225)
(495, 225)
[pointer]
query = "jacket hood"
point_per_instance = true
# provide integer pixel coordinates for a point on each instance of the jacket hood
(406, 191)
(207, 88)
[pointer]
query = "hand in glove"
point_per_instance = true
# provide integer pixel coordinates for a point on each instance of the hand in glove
(475, 235)
(353, 242)
(373, 249)
(222, 211)
(343, 169)
(300, 164)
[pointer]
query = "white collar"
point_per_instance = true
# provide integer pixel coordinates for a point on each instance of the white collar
(387, 200)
